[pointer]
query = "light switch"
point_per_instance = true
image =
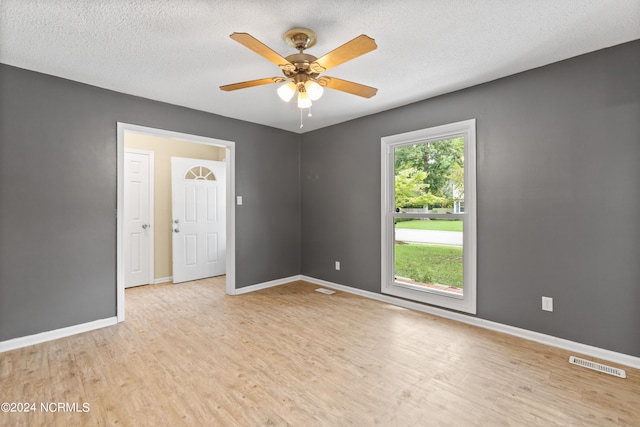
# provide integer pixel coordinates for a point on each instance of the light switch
(239, 200)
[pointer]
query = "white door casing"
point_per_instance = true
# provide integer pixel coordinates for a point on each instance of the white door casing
(138, 221)
(198, 218)
(230, 155)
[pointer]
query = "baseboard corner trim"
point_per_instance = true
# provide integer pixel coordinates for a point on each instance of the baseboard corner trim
(42, 337)
(162, 280)
(585, 349)
(265, 285)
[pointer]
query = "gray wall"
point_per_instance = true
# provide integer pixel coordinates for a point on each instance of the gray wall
(558, 176)
(58, 197)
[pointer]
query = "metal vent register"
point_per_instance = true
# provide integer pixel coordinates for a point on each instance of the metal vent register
(597, 367)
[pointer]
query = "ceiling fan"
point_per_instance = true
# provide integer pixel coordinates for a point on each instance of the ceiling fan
(302, 71)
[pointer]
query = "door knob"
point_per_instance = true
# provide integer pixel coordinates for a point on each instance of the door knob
(176, 230)
(145, 226)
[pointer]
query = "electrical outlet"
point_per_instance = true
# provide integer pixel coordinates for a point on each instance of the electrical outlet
(337, 265)
(547, 303)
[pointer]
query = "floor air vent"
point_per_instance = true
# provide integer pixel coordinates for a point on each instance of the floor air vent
(598, 367)
(325, 291)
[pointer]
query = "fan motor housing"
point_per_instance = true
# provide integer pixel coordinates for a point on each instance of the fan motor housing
(302, 63)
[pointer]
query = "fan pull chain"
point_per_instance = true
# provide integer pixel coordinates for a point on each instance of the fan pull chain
(308, 115)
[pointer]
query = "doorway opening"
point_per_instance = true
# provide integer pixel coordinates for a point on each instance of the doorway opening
(227, 148)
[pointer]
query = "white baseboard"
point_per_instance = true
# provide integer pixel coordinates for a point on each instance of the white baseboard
(584, 349)
(55, 334)
(16, 343)
(265, 285)
(163, 280)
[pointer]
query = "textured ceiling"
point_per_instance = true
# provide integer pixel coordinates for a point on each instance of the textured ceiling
(180, 52)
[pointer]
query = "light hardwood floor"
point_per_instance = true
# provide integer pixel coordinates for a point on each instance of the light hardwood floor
(190, 355)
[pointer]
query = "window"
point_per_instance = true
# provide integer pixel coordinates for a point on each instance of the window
(429, 216)
(200, 173)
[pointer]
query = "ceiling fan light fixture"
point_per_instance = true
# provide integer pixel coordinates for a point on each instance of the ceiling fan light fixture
(314, 90)
(286, 91)
(302, 71)
(304, 101)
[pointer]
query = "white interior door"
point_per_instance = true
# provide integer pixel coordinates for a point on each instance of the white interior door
(138, 215)
(198, 190)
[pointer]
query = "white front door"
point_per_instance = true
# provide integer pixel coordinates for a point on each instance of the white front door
(138, 218)
(198, 190)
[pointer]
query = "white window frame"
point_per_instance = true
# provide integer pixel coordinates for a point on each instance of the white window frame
(467, 302)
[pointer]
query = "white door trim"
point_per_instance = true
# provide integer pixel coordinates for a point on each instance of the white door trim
(152, 223)
(231, 197)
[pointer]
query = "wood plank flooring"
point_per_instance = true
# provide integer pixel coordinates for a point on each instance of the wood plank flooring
(190, 355)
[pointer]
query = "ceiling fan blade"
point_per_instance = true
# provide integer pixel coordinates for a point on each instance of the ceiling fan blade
(261, 49)
(347, 86)
(348, 51)
(252, 83)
